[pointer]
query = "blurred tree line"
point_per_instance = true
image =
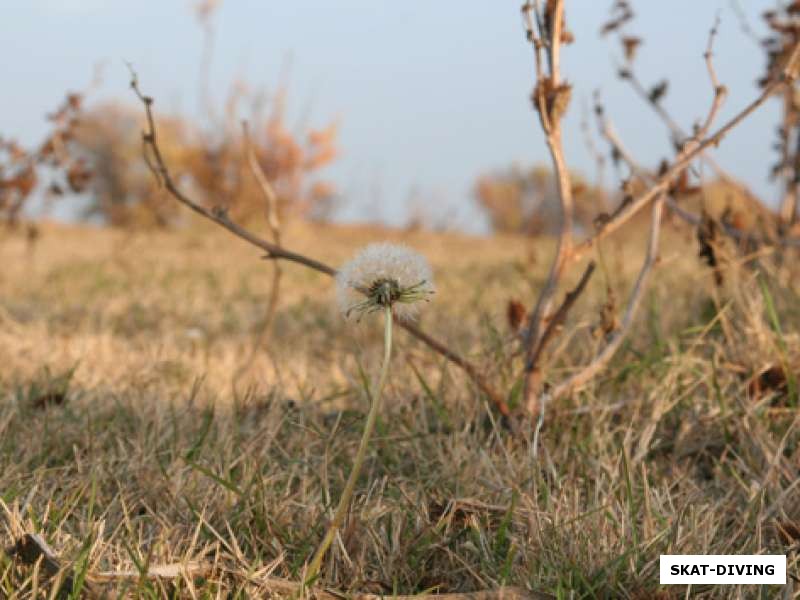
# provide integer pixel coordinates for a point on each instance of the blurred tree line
(96, 154)
(525, 200)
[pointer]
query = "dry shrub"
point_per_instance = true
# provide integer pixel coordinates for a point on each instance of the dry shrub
(520, 200)
(124, 191)
(212, 161)
(52, 168)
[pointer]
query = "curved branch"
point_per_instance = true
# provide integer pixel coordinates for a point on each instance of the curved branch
(602, 358)
(549, 93)
(678, 135)
(155, 161)
(608, 132)
(274, 224)
(692, 148)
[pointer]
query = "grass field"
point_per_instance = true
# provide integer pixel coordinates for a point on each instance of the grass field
(136, 430)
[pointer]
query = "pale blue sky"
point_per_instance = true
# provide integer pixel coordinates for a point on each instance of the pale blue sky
(429, 93)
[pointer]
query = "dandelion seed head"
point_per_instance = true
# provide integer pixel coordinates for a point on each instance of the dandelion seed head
(384, 274)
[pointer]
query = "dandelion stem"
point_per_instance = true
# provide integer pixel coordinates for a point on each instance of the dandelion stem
(369, 426)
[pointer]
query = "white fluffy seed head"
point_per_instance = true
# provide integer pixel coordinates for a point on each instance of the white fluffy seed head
(382, 262)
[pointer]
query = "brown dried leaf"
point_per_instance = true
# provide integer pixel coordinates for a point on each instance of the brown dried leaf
(658, 91)
(789, 532)
(707, 238)
(771, 379)
(515, 314)
(630, 44)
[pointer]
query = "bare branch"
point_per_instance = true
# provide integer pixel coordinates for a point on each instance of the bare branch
(589, 371)
(273, 222)
(691, 149)
(558, 318)
(738, 10)
(471, 370)
(608, 132)
(678, 134)
(270, 197)
(720, 91)
(551, 99)
(275, 251)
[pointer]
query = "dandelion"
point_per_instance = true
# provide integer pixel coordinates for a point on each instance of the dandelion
(382, 277)
(384, 274)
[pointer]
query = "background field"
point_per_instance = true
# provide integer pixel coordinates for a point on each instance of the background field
(135, 428)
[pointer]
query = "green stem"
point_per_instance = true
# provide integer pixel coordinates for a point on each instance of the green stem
(369, 426)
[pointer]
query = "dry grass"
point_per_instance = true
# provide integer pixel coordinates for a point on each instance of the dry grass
(130, 436)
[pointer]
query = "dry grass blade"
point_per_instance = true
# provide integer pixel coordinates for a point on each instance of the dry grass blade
(31, 549)
(271, 461)
(169, 571)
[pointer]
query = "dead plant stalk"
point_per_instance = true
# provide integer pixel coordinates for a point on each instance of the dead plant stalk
(274, 224)
(551, 99)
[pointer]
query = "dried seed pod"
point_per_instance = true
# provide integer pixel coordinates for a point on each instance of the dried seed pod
(630, 44)
(515, 314)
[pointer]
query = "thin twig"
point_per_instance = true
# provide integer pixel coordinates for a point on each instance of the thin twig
(558, 318)
(692, 148)
(609, 133)
(159, 167)
(274, 224)
(678, 134)
(599, 362)
(738, 10)
(599, 159)
(548, 94)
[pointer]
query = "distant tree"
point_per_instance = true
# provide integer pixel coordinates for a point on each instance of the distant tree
(524, 200)
(212, 161)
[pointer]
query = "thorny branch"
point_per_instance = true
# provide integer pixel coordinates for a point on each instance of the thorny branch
(274, 251)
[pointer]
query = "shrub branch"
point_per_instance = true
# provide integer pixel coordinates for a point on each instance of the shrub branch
(544, 29)
(155, 161)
